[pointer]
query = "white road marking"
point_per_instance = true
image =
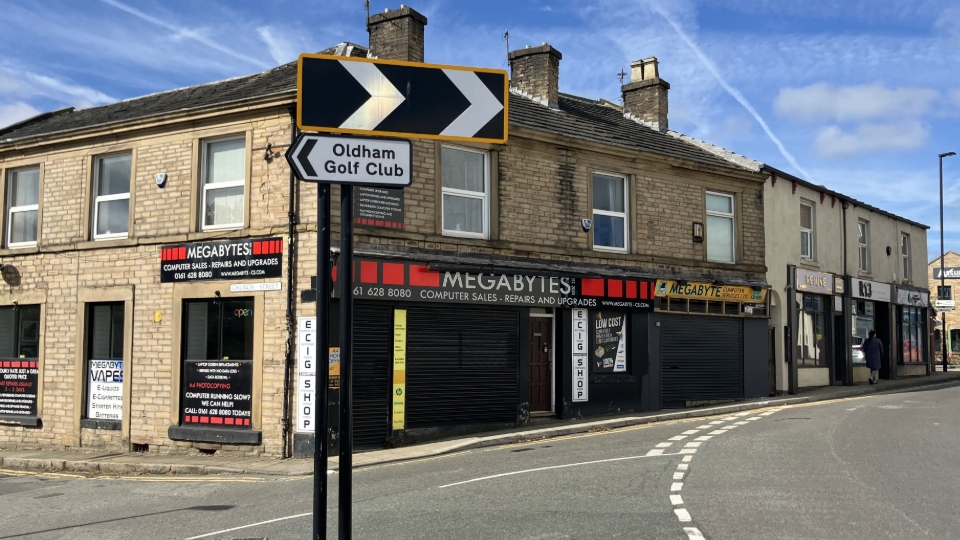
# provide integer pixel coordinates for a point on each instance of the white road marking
(682, 515)
(717, 422)
(688, 450)
(768, 413)
(752, 418)
(693, 533)
(665, 445)
(692, 445)
(745, 413)
(705, 426)
(728, 428)
(704, 438)
(687, 459)
(677, 438)
(676, 486)
(740, 423)
(675, 499)
(683, 466)
(655, 453)
(538, 469)
(678, 476)
(691, 431)
(718, 432)
(251, 525)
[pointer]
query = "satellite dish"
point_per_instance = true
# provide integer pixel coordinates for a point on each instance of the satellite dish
(11, 276)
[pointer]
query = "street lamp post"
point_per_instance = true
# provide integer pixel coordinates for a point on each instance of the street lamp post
(943, 320)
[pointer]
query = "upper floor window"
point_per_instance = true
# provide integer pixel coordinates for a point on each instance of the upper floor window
(806, 231)
(23, 198)
(863, 241)
(19, 332)
(466, 192)
(609, 212)
(223, 180)
(720, 227)
(111, 196)
(905, 254)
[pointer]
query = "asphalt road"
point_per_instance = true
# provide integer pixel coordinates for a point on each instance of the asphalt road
(883, 466)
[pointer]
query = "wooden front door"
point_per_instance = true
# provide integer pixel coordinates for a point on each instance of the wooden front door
(541, 344)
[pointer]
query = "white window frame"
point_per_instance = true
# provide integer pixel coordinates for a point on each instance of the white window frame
(16, 209)
(625, 214)
(205, 187)
(732, 215)
(97, 199)
(485, 197)
(905, 255)
(863, 246)
(809, 232)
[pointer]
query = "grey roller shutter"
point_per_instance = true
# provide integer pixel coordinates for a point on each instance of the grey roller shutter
(701, 359)
(462, 365)
(8, 333)
(372, 357)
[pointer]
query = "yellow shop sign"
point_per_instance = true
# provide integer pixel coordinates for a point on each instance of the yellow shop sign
(709, 291)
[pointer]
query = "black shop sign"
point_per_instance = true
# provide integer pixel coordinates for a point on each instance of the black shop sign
(18, 387)
(217, 393)
(222, 260)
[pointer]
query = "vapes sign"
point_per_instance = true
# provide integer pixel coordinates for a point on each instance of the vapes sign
(226, 260)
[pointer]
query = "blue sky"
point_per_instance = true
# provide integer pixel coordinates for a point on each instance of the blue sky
(861, 94)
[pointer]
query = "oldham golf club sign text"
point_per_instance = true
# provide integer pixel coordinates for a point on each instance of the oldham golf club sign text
(352, 160)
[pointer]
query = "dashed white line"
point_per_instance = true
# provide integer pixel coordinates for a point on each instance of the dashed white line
(655, 453)
(705, 426)
(683, 466)
(691, 431)
(676, 486)
(768, 413)
(675, 500)
(677, 438)
(718, 432)
(682, 515)
(704, 438)
(687, 459)
(717, 422)
(678, 476)
(740, 423)
(688, 450)
(752, 418)
(693, 533)
(692, 445)
(665, 445)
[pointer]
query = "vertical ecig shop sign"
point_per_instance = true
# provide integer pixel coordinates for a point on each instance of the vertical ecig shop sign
(579, 355)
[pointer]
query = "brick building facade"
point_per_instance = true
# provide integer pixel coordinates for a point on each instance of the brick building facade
(674, 248)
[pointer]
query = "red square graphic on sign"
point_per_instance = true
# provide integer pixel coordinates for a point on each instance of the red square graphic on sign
(229, 421)
(368, 272)
(256, 248)
(631, 289)
(246, 421)
(204, 419)
(421, 277)
(591, 287)
(216, 420)
(646, 291)
(183, 253)
(615, 288)
(392, 274)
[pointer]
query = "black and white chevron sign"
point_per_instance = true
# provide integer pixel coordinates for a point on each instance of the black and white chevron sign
(402, 99)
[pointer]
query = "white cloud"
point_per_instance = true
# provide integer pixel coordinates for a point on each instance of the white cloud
(822, 101)
(834, 142)
(15, 112)
(281, 49)
(19, 83)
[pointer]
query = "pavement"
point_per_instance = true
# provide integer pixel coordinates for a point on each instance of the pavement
(135, 464)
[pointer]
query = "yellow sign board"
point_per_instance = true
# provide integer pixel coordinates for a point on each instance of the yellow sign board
(334, 371)
(709, 291)
(399, 367)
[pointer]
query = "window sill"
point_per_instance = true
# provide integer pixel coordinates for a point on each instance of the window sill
(27, 421)
(107, 243)
(810, 263)
(20, 250)
(214, 435)
(604, 249)
(456, 234)
(93, 423)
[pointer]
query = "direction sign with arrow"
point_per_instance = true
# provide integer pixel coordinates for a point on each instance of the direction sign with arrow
(352, 160)
(403, 99)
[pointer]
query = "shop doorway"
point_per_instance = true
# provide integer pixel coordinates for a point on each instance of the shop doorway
(541, 362)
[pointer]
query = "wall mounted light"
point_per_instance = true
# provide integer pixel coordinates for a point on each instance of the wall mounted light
(697, 232)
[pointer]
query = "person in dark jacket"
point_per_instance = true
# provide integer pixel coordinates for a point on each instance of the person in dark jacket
(872, 352)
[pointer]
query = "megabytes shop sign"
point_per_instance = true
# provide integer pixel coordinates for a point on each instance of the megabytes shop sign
(385, 280)
(223, 260)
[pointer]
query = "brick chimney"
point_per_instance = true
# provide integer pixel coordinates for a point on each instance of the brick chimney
(536, 71)
(397, 34)
(645, 96)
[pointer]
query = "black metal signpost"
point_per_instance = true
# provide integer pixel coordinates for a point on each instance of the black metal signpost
(385, 98)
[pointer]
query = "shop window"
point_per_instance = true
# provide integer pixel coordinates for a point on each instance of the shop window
(863, 242)
(223, 180)
(20, 332)
(111, 196)
(466, 192)
(721, 240)
(905, 254)
(806, 231)
(217, 362)
(912, 335)
(105, 361)
(609, 212)
(811, 331)
(955, 341)
(608, 342)
(23, 198)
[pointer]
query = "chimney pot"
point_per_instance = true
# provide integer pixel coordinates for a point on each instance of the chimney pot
(645, 96)
(536, 71)
(397, 35)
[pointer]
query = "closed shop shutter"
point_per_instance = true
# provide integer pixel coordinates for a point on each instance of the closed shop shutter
(372, 357)
(701, 358)
(461, 365)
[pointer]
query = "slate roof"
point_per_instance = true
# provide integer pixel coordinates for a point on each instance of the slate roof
(578, 118)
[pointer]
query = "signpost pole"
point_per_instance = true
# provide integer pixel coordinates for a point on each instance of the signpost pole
(345, 279)
(321, 420)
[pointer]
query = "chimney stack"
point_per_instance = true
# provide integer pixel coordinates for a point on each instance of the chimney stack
(397, 34)
(536, 71)
(645, 96)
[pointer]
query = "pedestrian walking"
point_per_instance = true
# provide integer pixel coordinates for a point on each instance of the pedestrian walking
(873, 351)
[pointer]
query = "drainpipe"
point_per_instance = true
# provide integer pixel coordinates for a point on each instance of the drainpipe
(291, 323)
(847, 305)
(790, 341)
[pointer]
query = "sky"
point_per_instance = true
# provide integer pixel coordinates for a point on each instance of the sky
(858, 95)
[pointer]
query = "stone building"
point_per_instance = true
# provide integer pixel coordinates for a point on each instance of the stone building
(158, 255)
(951, 275)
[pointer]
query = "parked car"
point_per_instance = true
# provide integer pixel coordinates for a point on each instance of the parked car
(858, 357)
